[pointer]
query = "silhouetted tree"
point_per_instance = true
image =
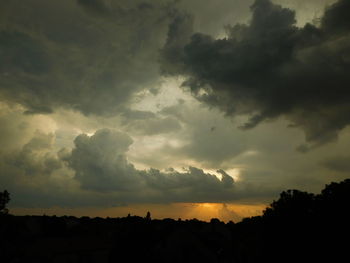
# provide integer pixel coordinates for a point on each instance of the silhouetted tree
(215, 221)
(334, 201)
(292, 204)
(337, 192)
(148, 216)
(4, 199)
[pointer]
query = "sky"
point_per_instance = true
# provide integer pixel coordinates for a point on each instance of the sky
(188, 109)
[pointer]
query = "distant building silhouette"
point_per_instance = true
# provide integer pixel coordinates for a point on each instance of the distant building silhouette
(148, 216)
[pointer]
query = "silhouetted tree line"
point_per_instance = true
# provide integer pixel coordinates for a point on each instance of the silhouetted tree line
(298, 227)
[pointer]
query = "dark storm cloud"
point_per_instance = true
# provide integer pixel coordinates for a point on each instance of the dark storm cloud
(336, 19)
(179, 33)
(100, 165)
(87, 55)
(271, 68)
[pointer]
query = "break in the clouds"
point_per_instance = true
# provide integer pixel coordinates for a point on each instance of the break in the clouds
(86, 55)
(270, 68)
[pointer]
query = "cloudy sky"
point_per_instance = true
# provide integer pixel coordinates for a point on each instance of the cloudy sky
(196, 108)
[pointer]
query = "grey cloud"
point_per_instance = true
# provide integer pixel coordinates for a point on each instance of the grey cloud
(20, 51)
(271, 68)
(17, 129)
(213, 14)
(56, 54)
(34, 163)
(194, 185)
(338, 164)
(97, 6)
(215, 146)
(179, 33)
(105, 7)
(39, 142)
(37, 176)
(148, 123)
(100, 165)
(336, 19)
(226, 178)
(154, 126)
(100, 162)
(34, 159)
(138, 115)
(208, 137)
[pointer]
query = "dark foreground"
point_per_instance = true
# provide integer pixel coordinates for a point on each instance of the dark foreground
(299, 227)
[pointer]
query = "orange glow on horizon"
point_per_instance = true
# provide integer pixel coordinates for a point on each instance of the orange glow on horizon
(201, 211)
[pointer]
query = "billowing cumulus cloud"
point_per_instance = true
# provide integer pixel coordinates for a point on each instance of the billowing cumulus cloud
(100, 165)
(100, 162)
(271, 68)
(86, 55)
